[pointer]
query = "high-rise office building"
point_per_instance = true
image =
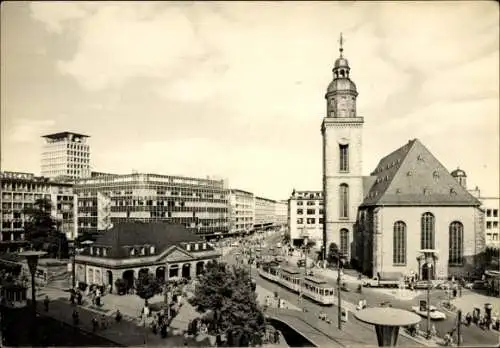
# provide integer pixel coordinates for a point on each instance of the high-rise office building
(66, 154)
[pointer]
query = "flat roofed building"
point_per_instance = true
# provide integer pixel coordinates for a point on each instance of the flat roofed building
(305, 211)
(281, 213)
(65, 154)
(128, 249)
(265, 217)
(241, 211)
(200, 205)
(20, 191)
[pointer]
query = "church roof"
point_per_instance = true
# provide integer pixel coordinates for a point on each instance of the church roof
(161, 235)
(411, 176)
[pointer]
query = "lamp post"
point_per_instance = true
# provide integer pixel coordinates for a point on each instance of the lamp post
(305, 242)
(339, 298)
(429, 284)
(32, 258)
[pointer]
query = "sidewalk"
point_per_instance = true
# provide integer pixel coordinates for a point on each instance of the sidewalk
(125, 333)
(470, 300)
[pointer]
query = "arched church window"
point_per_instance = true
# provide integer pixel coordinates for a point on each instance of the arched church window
(399, 243)
(344, 201)
(344, 157)
(456, 244)
(342, 73)
(427, 224)
(344, 242)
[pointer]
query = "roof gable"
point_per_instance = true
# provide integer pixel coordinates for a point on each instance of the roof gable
(411, 175)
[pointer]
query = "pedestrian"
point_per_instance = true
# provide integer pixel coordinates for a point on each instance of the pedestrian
(79, 297)
(103, 322)
(276, 337)
(76, 317)
(118, 316)
(46, 303)
(95, 324)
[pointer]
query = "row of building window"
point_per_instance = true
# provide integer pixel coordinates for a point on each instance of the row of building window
(310, 203)
(309, 221)
(427, 240)
(491, 224)
(492, 212)
(310, 211)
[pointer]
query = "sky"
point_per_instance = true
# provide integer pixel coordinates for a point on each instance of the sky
(236, 89)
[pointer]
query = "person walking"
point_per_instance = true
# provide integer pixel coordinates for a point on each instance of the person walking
(46, 303)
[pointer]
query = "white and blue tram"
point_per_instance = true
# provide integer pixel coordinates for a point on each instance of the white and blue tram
(316, 288)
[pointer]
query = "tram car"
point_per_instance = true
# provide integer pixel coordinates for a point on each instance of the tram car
(315, 288)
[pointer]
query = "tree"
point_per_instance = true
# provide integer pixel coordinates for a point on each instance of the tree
(147, 286)
(42, 230)
(226, 293)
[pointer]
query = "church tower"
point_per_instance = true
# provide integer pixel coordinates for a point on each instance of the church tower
(342, 158)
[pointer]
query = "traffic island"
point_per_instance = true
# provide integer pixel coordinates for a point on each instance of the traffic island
(387, 322)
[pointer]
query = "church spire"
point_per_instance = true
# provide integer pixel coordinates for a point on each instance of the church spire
(341, 43)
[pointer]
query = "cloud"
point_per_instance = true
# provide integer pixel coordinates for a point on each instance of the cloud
(56, 14)
(25, 131)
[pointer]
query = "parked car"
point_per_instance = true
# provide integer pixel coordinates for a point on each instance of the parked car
(433, 312)
(423, 285)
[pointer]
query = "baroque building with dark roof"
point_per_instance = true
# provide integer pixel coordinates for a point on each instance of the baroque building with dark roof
(127, 249)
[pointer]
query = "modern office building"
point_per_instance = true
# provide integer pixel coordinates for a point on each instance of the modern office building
(281, 214)
(20, 191)
(241, 211)
(305, 217)
(200, 205)
(65, 154)
(265, 217)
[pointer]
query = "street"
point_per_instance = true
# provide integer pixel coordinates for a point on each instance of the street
(472, 335)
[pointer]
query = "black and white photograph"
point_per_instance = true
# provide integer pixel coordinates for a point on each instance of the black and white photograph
(250, 174)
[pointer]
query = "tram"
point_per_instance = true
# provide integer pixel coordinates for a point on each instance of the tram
(315, 288)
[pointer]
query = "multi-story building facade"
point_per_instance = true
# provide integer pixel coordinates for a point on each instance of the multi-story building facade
(264, 213)
(490, 206)
(20, 191)
(66, 154)
(305, 217)
(198, 204)
(281, 214)
(241, 211)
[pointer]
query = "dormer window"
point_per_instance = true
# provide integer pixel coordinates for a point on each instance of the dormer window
(420, 158)
(435, 175)
(143, 251)
(132, 251)
(196, 246)
(452, 191)
(409, 173)
(188, 247)
(104, 252)
(91, 250)
(204, 246)
(97, 251)
(398, 190)
(151, 249)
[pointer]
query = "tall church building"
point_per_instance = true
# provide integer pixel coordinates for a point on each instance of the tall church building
(342, 131)
(410, 216)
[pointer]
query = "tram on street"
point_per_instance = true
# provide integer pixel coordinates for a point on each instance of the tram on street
(315, 288)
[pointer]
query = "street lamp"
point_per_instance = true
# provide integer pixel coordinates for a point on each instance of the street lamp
(32, 258)
(305, 242)
(73, 261)
(387, 322)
